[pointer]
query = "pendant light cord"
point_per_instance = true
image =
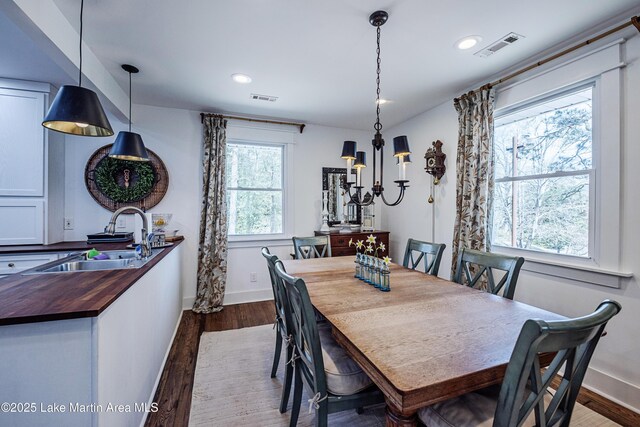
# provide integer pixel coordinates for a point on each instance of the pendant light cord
(378, 125)
(129, 101)
(80, 70)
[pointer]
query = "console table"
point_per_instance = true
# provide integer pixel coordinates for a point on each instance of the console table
(340, 241)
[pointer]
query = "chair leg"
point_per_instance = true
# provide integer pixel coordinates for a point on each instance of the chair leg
(322, 414)
(276, 356)
(359, 410)
(288, 373)
(297, 397)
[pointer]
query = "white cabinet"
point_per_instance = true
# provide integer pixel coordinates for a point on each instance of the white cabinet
(22, 143)
(21, 221)
(31, 167)
(15, 263)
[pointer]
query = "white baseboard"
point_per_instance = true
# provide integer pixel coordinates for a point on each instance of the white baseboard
(164, 362)
(247, 296)
(614, 389)
(235, 298)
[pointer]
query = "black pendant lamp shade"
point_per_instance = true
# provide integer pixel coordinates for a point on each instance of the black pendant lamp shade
(77, 111)
(129, 145)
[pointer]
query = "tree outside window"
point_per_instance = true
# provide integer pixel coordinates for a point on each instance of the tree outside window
(544, 171)
(254, 188)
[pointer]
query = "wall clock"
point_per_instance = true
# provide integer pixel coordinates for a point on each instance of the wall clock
(435, 161)
(114, 183)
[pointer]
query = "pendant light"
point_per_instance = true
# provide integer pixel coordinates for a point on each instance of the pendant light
(77, 110)
(129, 145)
(400, 144)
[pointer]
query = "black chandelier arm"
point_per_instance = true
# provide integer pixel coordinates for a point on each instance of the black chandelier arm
(402, 186)
(355, 198)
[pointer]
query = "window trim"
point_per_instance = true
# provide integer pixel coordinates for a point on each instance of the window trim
(603, 65)
(241, 240)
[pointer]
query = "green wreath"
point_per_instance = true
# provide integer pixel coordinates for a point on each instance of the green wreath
(142, 174)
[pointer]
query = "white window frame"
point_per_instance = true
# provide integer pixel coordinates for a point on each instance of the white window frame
(263, 135)
(601, 66)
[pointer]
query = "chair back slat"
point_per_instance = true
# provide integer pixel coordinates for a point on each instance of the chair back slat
(279, 295)
(524, 386)
(478, 269)
(304, 330)
(312, 247)
(423, 251)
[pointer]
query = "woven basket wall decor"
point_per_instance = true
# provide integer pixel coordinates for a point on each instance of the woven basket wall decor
(116, 183)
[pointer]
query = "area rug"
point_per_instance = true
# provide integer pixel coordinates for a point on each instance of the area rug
(232, 387)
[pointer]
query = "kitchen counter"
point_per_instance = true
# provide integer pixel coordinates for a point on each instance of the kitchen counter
(90, 338)
(72, 295)
(62, 247)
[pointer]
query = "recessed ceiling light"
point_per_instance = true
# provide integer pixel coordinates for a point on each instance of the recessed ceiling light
(468, 42)
(381, 101)
(241, 78)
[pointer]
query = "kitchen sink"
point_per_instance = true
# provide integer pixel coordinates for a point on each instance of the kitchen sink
(109, 264)
(118, 260)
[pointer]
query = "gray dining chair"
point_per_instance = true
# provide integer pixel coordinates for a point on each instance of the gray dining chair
(312, 247)
(334, 380)
(423, 251)
(282, 330)
(523, 398)
(472, 266)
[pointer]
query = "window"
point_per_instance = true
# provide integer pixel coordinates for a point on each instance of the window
(544, 175)
(255, 190)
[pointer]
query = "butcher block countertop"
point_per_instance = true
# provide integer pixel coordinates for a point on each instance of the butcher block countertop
(70, 295)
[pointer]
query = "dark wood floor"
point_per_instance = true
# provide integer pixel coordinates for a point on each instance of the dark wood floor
(174, 390)
(176, 384)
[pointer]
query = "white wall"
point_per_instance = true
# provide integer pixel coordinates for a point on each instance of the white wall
(615, 368)
(413, 217)
(176, 136)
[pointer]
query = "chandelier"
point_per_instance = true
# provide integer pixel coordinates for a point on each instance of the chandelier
(359, 158)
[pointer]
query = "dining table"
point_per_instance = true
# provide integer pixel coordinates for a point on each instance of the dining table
(426, 340)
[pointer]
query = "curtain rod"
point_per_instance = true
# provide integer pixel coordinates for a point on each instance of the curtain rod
(635, 21)
(300, 125)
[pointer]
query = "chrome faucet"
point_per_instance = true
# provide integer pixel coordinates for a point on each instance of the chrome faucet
(145, 244)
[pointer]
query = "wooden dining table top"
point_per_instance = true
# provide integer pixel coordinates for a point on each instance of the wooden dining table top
(426, 340)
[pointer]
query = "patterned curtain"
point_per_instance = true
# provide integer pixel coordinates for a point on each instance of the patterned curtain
(474, 183)
(212, 250)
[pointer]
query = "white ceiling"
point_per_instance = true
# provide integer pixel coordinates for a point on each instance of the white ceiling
(21, 59)
(318, 56)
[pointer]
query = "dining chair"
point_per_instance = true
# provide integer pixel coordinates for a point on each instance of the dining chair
(425, 250)
(282, 330)
(472, 266)
(334, 380)
(523, 397)
(312, 247)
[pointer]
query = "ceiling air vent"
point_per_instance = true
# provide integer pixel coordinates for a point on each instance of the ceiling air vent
(505, 41)
(264, 97)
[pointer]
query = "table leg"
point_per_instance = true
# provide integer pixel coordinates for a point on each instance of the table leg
(396, 419)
